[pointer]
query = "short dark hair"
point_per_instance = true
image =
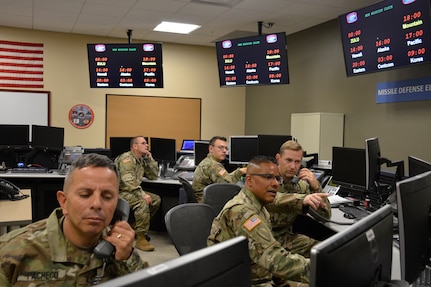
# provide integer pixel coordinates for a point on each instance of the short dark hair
(260, 159)
(214, 138)
(92, 160)
(134, 140)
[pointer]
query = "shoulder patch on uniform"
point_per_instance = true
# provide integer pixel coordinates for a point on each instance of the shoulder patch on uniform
(222, 172)
(126, 160)
(252, 222)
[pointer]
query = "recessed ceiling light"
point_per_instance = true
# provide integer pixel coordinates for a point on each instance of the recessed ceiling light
(173, 27)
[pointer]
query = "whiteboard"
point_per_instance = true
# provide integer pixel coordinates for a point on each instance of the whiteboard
(24, 107)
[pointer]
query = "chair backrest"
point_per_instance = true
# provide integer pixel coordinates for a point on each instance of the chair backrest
(190, 193)
(189, 225)
(217, 194)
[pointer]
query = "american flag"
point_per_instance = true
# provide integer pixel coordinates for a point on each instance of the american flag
(21, 64)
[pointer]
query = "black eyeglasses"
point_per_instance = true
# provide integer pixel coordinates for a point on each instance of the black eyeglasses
(269, 176)
(221, 147)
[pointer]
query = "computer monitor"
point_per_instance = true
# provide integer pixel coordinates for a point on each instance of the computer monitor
(358, 256)
(372, 162)
(243, 149)
(270, 144)
(200, 151)
(187, 145)
(163, 150)
(417, 165)
(348, 169)
(414, 221)
(119, 145)
(14, 136)
(224, 264)
(48, 138)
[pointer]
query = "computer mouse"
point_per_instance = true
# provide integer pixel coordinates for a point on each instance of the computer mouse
(349, 216)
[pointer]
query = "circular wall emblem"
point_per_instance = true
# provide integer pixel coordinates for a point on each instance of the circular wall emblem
(81, 116)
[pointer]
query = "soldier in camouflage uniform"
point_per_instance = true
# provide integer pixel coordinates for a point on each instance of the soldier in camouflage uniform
(210, 170)
(133, 166)
(297, 198)
(246, 215)
(58, 251)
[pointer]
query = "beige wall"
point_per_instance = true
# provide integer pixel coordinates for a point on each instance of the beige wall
(189, 71)
(319, 84)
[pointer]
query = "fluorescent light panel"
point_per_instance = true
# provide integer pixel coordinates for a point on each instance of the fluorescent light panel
(173, 27)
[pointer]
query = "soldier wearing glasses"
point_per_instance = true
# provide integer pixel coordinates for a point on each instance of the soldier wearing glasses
(246, 215)
(210, 170)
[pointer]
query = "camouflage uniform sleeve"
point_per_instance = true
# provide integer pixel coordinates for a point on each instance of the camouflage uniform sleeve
(151, 168)
(219, 174)
(324, 211)
(129, 181)
(133, 264)
(3, 280)
(287, 202)
(266, 251)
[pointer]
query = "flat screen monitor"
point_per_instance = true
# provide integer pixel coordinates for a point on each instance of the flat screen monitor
(187, 145)
(224, 264)
(45, 137)
(14, 136)
(163, 150)
(417, 165)
(357, 256)
(348, 168)
(125, 65)
(119, 145)
(387, 35)
(200, 151)
(101, 151)
(269, 145)
(252, 61)
(414, 221)
(372, 162)
(243, 149)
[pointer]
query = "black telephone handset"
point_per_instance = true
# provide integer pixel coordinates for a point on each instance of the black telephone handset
(104, 248)
(10, 190)
(296, 178)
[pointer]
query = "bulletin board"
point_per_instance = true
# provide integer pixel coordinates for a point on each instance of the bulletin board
(163, 117)
(24, 107)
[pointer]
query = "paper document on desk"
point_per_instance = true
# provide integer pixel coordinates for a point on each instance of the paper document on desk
(336, 200)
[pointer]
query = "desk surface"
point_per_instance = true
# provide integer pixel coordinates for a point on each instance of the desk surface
(162, 181)
(338, 215)
(16, 212)
(53, 174)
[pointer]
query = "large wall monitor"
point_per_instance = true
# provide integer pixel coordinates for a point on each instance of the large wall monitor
(251, 61)
(224, 264)
(125, 65)
(386, 35)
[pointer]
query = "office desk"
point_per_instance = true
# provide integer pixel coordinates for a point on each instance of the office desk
(16, 212)
(169, 191)
(43, 186)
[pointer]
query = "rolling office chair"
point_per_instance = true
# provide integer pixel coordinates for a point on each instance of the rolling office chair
(190, 193)
(217, 194)
(189, 226)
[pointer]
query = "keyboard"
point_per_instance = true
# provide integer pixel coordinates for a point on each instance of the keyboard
(29, 170)
(331, 189)
(188, 175)
(354, 211)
